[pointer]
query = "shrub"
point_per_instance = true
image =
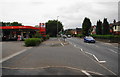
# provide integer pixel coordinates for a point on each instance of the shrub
(109, 37)
(47, 37)
(103, 36)
(79, 35)
(32, 41)
(37, 35)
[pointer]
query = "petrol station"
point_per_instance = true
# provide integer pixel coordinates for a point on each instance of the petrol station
(14, 32)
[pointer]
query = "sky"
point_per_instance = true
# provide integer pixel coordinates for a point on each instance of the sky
(70, 12)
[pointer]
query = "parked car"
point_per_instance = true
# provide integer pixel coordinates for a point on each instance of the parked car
(5, 37)
(89, 39)
(69, 36)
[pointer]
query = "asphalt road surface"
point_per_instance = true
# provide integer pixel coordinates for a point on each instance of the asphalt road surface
(106, 52)
(54, 57)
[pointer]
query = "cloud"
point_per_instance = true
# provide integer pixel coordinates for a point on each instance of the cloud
(71, 12)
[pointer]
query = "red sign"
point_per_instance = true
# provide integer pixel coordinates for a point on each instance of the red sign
(42, 28)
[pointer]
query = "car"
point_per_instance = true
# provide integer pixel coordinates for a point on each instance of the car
(89, 39)
(69, 36)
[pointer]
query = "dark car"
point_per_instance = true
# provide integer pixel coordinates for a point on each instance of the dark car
(89, 39)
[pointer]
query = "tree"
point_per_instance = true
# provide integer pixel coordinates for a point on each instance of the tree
(3, 24)
(16, 24)
(106, 27)
(37, 26)
(99, 28)
(11, 24)
(86, 26)
(51, 27)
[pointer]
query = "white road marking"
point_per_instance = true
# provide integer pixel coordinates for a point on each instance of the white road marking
(97, 61)
(107, 43)
(112, 51)
(93, 45)
(103, 66)
(13, 55)
(62, 44)
(89, 53)
(116, 47)
(74, 45)
(81, 49)
(94, 73)
(96, 46)
(86, 73)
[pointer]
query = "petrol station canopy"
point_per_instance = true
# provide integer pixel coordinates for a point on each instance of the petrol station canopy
(18, 27)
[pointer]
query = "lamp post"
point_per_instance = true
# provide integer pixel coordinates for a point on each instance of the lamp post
(57, 26)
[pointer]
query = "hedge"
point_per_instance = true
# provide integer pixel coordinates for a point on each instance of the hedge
(33, 41)
(112, 38)
(79, 35)
(106, 36)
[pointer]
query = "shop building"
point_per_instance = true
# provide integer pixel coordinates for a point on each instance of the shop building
(14, 32)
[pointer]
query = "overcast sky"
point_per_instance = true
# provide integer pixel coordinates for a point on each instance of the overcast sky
(71, 12)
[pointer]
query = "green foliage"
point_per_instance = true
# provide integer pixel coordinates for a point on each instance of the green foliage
(111, 38)
(106, 27)
(99, 28)
(16, 24)
(11, 24)
(79, 35)
(51, 27)
(103, 36)
(32, 41)
(37, 35)
(47, 36)
(106, 36)
(86, 26)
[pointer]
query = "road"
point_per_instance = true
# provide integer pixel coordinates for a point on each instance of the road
(56, 57)
(103, 52)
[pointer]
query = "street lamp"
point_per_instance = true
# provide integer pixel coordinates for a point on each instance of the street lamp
(57, 26)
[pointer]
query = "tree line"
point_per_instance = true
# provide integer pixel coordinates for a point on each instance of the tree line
(11, 24)
(101, 28)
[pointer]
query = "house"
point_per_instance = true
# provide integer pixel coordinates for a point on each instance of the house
(93, 29)
(116, 28)
(79, 30)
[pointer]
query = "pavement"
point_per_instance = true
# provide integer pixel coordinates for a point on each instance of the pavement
(12, 47)
(52, 57)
